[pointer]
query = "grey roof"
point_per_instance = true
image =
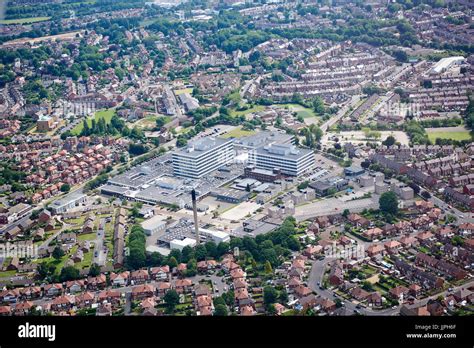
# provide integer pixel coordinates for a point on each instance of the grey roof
(286, 151)
(199, 147)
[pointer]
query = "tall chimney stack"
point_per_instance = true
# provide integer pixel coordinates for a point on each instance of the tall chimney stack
(196, 225)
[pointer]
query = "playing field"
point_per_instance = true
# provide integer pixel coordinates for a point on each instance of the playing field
(105, 114)
(454, 135)
(24, 20)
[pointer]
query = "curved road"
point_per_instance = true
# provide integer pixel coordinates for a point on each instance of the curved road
(316, 276)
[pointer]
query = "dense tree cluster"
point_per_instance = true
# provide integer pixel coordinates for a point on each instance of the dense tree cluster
(136, 257)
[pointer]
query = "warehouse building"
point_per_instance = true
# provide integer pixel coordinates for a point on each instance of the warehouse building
(154, 225)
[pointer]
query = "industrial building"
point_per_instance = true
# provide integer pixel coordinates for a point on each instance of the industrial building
(154, 225)
(287, 158)
(181, 244)
(68, 202)
(203, 156)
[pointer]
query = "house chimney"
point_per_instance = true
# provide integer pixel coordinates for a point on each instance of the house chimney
(196, 225)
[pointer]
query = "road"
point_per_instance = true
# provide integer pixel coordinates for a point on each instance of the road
(316, 277)
(462, 217)
(100, 252)
(444, 293)
(340, 114)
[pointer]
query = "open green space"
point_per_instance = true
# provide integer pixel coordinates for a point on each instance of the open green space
(182, 91)
(7, 274)
(87, 236)
(299, 109)
(24, 20)
(255, 108)
(459, 136)
(238, 133)
(149, 122)
(105, 114)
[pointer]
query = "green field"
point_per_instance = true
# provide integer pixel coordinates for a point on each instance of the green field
(181, 91)
(149, 122)
(464, 135)
(256, 108)
(238, 133)
(24, 20)
(105, 114)
(299, 109)
(87, 236)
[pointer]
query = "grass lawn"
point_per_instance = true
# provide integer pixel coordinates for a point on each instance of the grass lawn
(87, 236)
(181, 91)
(105, 114)
(87, 261)
(238, 133)
(109, 235)
(24, 20)
(463, 135)
(7, 274)
(256, 108)
(76, 221)
(299, 109)
(149, 122)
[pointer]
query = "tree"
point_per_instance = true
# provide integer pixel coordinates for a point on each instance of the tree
(268, 268)
(69, 273)
(94, 270)
(365, 164)
(200, 252)
(389, 141)
(388, 202)
(270, 295)
(401, 56)
(65, 188)
(155, 259)
(172, 262)
(187, 254)
(283, 296)
(271, 310)
(42, 270)
(58, 253)
(171, 300)
(426, 195)
(220, 310)
(415, 187)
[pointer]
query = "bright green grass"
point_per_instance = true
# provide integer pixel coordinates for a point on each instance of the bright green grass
(149, 122)
(105, 114)
(299, 109)
(24, 20)
(464, 135)
(7, 274)
(238, 133)
(256, 108)
(87, 236)
(182, 91)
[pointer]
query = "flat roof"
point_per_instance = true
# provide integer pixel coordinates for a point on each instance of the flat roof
(154, 222)
(73, 196)
(186, 241)
(286, 151)
(199, 147)
(264, 138)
